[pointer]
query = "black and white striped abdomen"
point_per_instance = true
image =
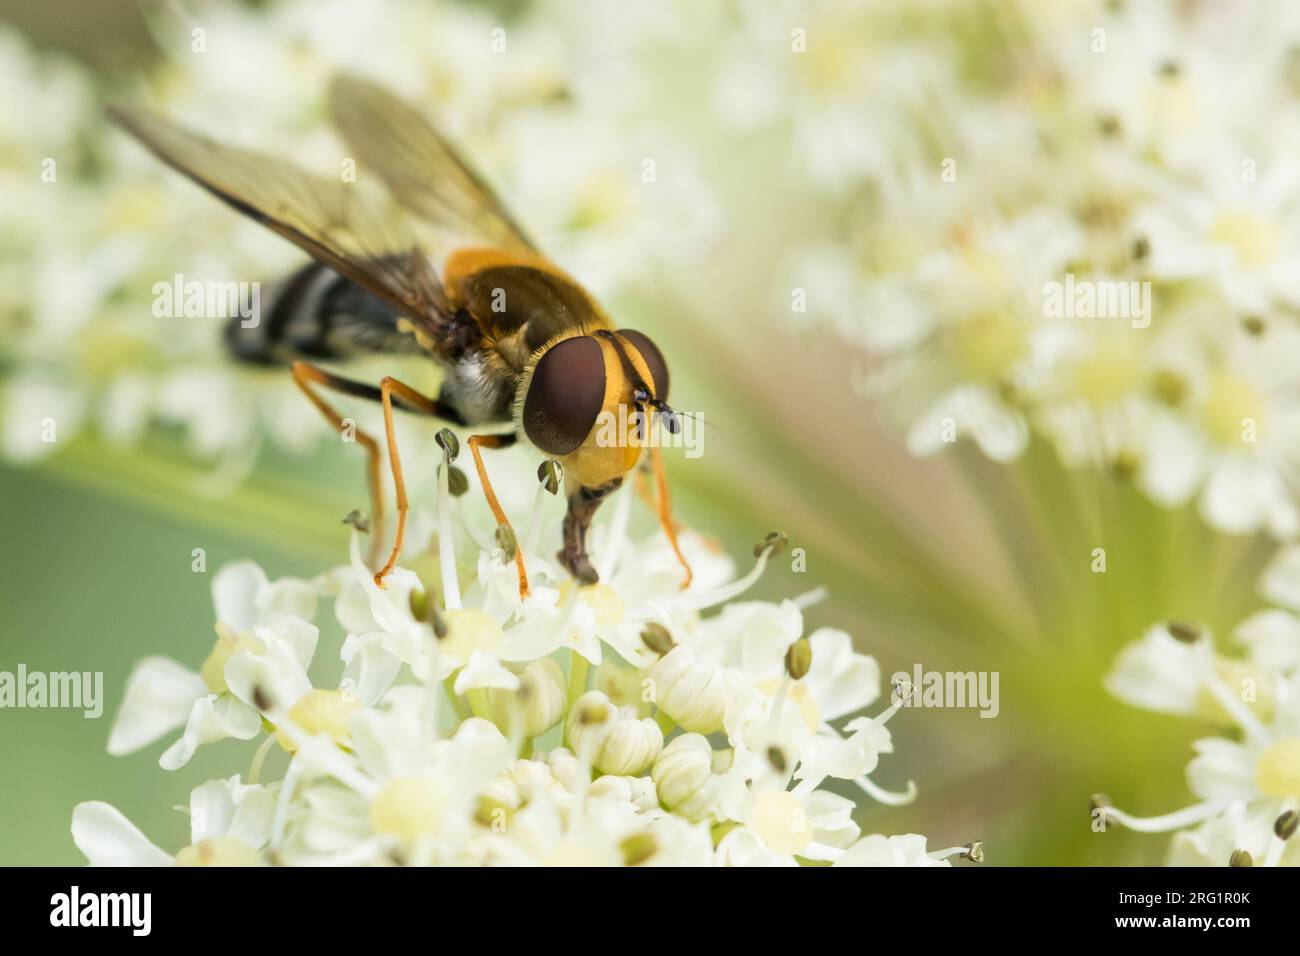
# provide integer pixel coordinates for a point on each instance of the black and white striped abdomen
(316, 313)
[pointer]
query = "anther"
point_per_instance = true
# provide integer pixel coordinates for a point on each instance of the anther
(457, 483)
(773, 544)
(656, 637)
(1285, 825)
(448, 442)
(419, 601)
(359, 519)
(1183, 631)
(550, 473)
(798, 659)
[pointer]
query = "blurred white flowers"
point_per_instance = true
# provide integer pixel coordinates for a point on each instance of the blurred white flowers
(1247, 782)
(601, 724)
(1096, 143)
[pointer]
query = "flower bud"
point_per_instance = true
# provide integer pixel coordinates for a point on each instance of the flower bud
(536, 706)
(620, 683)
(568, 769)
(638, 791)
(683, 777)
(614, 740)
(690, 691)
(517, 787)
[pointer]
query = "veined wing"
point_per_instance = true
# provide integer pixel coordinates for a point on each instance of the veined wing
(359, 233)
(422, 171)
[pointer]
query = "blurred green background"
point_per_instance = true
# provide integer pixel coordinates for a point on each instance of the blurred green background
(955, 563)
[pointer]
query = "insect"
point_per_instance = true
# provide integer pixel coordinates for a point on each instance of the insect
(415, 254)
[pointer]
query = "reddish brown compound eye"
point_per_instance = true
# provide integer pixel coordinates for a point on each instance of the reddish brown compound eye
(565, 395)
(653, 359)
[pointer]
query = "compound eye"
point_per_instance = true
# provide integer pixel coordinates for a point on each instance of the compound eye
(653, 359)
(565, 395)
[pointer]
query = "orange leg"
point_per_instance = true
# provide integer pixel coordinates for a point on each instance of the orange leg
(665, 510)
(642, 487)
(412, 399)
(498, 441)
(304, 376)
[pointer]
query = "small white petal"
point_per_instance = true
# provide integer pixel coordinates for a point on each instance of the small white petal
(159, 696)
(234, 594)
(108, 838)
(212, 718)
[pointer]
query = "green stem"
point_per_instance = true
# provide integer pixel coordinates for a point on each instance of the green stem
(458, 703)
(666, 723)
(579, 667)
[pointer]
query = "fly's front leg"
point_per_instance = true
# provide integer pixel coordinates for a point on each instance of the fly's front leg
(665, 511)
(306, 376)
(582, 508)
(503, 523)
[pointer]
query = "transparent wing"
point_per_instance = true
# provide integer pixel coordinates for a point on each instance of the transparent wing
(422, 171)
(360, 233)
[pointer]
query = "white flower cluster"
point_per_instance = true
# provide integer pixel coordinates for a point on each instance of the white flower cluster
(1077, 221)
(612, 723)
(1247, 782)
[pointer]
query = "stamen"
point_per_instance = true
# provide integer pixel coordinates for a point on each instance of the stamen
(971, 851)
(533, 530)
(809, 598)
(616, 535)
(1196, 813)
(446, 546)
(890, 798)
(1229, 701)
(884, 716)
(778, 704)
(481, 541)
(287, 787)
(1284, 827)
(259, 758)
(1276, 847)
(719, 595)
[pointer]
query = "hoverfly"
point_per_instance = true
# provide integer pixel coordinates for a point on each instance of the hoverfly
(432, 263)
